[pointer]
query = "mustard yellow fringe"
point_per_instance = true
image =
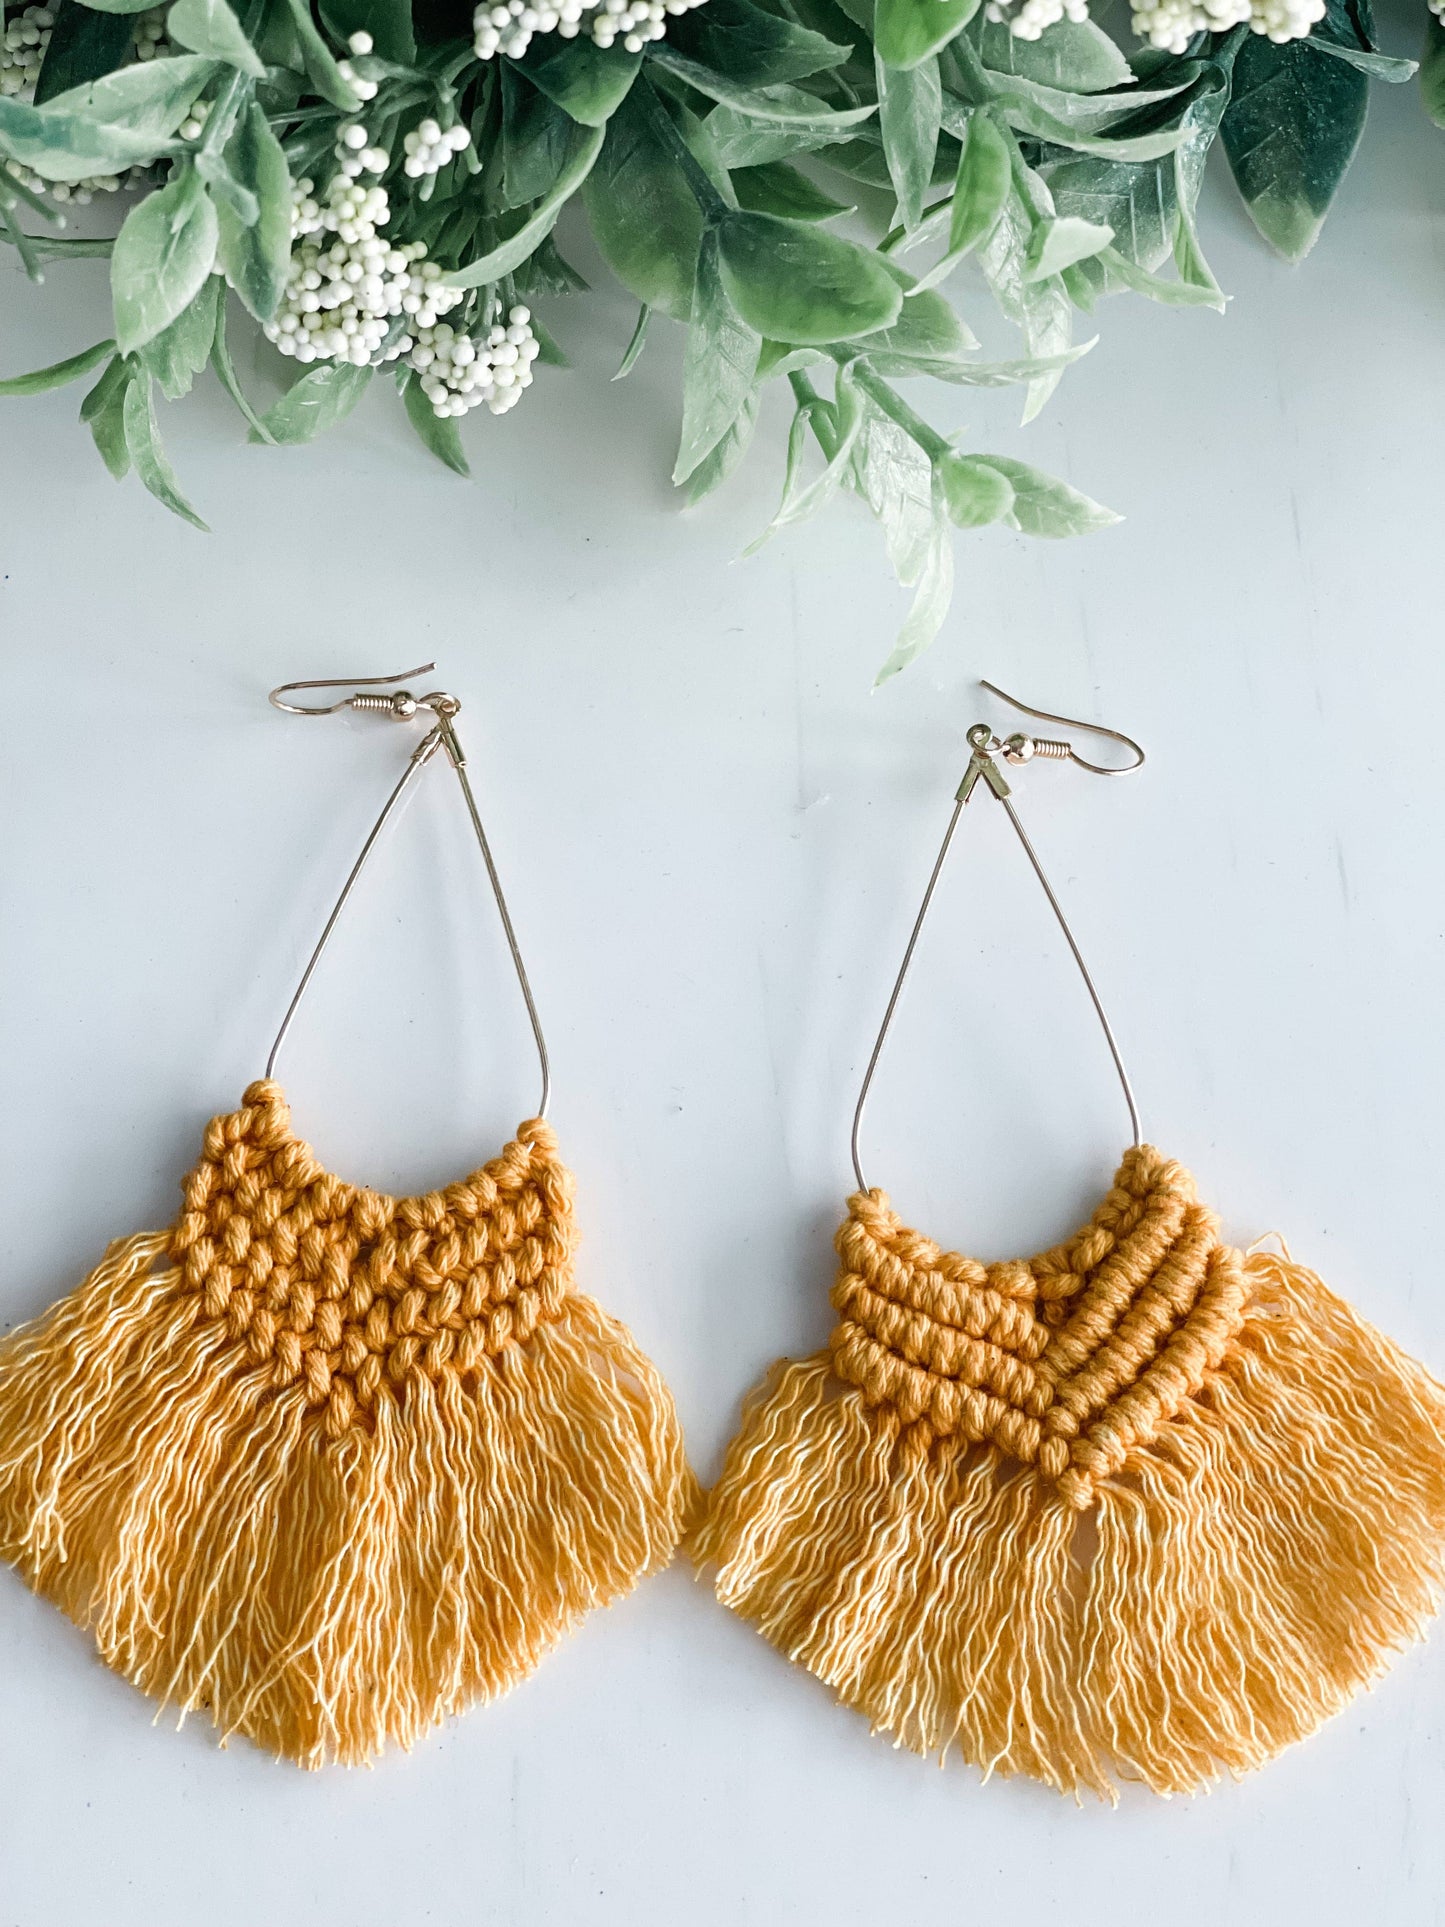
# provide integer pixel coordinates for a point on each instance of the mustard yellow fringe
(186, 1471)
(1227, 1588)
(324, 1597)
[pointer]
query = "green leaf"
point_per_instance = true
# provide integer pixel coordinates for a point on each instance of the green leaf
(1109, 271)
(1144, 201)
(928, 331)
(776, 188)
(1032, 121)
(537, 136)
(225, 190)
(119, 6)
(84, 45)
(749, 47)
(322, 397)
(1045, 506)
(1194, 270)
(910, 100)
(387, 21)
(210, 27)
(992, 374)
(226, 375)
(178, 353)
(1073, 55)
(325, 76)
(1378, 66)
(256, 256)
(587, 81)
(1041, 310)
(1291, 129)
(718, 466)
(643, 214)
(980, 194)
(1058, 244)
(860, 13)
(151, 98)
(105, 390)
(982, 185)
(162, 255)
(584, 148)
(635, 345)
(906, 32)
(778, 359)
(1084, 113)
(722, 361)
(1432, 71)
(794, 283)
(780, 101)
(1079, 121)
(142, 438)
(59, 372)
(895, 478)
(931, 599)
(845, 418)
(103, 411)
(975, 491)
(1135, 199)
(111, 124)
(752, 139)
(438, 432)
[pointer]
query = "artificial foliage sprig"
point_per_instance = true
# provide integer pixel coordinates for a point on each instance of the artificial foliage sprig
(377, 184)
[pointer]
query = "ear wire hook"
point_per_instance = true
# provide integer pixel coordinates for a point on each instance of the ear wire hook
(1019, 749)
(402, 705)
(983, 768)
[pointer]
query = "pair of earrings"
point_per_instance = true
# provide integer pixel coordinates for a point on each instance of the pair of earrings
(332, 1465)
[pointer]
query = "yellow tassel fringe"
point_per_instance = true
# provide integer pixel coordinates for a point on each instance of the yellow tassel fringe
(350, 1464)
(1243, 1535)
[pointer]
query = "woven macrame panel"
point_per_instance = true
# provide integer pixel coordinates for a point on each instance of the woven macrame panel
(349, 1292)
(1066, 1361)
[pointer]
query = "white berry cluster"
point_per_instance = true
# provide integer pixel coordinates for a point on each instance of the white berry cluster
(507, 28)
(430, 146)
(194, 124)
(1171, 24)
(359, 43)
(22, 48)
(459, 373)
(342, 298)
(81, 192)
(151, 39)
(1029, 21)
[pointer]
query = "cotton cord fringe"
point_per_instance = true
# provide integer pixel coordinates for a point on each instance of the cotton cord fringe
(1140, 1508)
(328, 1465)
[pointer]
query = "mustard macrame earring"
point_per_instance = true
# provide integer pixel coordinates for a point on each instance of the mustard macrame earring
(330, 1465)
(1140, 1507)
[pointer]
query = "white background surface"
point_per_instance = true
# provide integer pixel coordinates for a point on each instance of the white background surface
(714, 837)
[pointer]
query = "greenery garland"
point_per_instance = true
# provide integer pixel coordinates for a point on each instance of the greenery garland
(379, 184)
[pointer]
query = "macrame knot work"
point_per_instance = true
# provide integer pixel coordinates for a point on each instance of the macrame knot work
(331, 1465)
(348, 1293)
(1139, 1507)
(1066, 1362)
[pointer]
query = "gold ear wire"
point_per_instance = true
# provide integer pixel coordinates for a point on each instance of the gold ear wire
(402, 705)
(983, 768)
(1019, 749)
